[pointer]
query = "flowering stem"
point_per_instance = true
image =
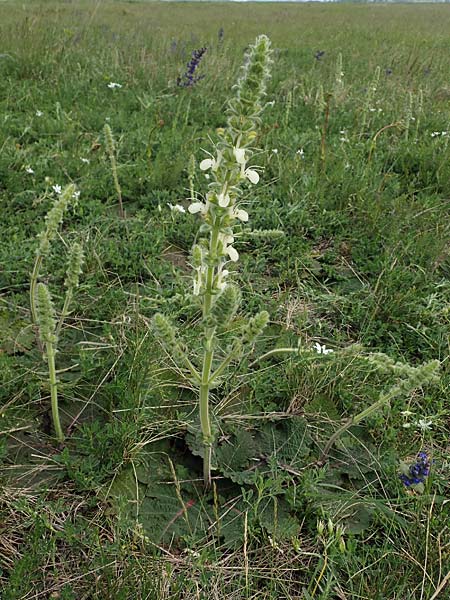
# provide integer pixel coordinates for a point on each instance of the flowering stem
(208, 356)
(54, 390)
(384, 399)
(65, 311)
(33, 283)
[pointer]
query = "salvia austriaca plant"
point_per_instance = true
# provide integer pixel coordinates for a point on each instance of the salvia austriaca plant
(42, 307)
(220, 211)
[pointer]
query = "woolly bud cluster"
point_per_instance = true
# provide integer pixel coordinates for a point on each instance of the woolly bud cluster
(226, 305)
(54, 219)
(74, 266)
(167, 334)
(46, 315)
(109, 140)
(254, 327)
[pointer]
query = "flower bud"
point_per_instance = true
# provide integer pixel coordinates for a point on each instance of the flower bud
(254, 327)
(167, 334)
(226, 305)
(74, 266)
(109, 140)
(45, 314)
(54, 219)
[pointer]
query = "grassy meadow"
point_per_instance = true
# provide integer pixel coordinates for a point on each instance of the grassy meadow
(347, 247)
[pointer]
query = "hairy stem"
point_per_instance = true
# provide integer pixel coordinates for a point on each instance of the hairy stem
(54, 391)
(33, 284)
(65, 311)
(208, 356)
(384, 399)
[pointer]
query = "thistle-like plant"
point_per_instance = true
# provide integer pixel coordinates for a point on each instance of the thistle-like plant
(42, 308)
(111, 150)
(220, 212)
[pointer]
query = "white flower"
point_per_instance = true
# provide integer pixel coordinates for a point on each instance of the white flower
(241, 214)
(423, 424)
(57, 189)
(39, 113)
(207, 163)
(252, 175)
(227, 240)
(29, 170)
(196, 207)
(301, 153)
(211, 163)
(406, 413)
(75, 195)
(322, 349)
(406, 425)
(176, 208)
(223, 199)
(113, 85)
(343, 139)
(86, 161)
(435, 133)
(221, 276)
(275, 151)
(239, 154)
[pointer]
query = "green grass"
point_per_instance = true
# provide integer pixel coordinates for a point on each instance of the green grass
(364, 260)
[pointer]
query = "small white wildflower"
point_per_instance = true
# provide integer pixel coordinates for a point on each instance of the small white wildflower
(435, 133)
(207, 163)
(322, 349)
(207, 176)
(343, 139)
(424, 425)
(223, 199)
(227, 240)
(301, 153)
(271, 103)
(39, 113)
(113, 85)
(75, 195)
(347, 165)
(239, 154)
(86, 161)
(29, 170)
(176, 208)
(444, 132)
(241, 214)
(57, 189)
(196, 207)
(252, 176)
(275, 151)
(406, 425)
(372, 109)
(406, 413)
(221, 279)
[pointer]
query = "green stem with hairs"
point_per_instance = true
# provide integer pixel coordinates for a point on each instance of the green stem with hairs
(33, 284)
(385, 398)
(54, 391)
(205, 421)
